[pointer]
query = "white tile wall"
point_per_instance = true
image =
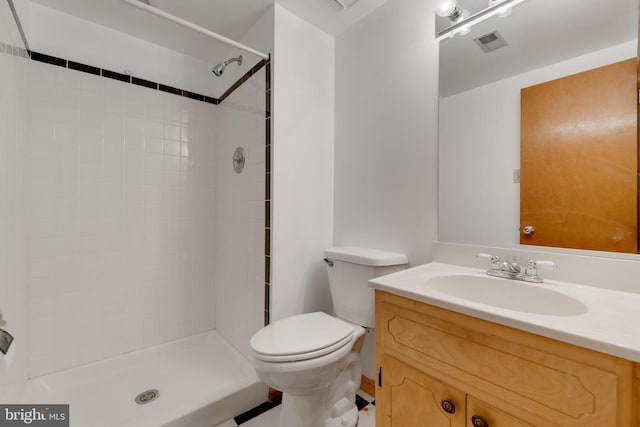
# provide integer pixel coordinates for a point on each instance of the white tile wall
(240, 215)
(121, 216)
(119, 196)
(13, 251)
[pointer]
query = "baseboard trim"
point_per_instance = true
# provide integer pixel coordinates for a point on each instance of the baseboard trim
(275, 396)
(368, 386)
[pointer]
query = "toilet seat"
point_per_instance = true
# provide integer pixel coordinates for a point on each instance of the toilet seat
(301, 337)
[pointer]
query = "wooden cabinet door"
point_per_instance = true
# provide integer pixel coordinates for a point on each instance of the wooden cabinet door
(493, 416)
(412, 399)
(528, 376)
(579, 160)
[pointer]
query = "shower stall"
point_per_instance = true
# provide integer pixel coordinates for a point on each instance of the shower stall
(135, 254)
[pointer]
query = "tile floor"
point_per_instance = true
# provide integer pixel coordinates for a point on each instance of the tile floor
(271, 417)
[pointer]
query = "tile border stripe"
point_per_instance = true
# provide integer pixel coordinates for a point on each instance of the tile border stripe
(116, 76)
(144, 83)
(83, 67)
(245, 77)
(170, 89)
(78, 66)
(48, 59)
(267, 190)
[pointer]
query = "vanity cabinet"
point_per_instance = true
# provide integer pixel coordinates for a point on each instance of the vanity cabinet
(441, 368)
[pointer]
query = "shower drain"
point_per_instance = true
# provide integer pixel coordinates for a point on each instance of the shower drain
(147, 397)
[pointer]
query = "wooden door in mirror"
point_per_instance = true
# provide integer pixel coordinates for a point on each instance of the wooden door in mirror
(579, 160)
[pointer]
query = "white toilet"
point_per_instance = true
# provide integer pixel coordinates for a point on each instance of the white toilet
(314, 358)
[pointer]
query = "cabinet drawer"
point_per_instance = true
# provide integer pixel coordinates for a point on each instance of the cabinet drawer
(493, 416)
(410, 398)
(521, 372)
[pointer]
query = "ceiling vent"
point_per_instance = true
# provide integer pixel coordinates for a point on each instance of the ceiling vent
(490, 41)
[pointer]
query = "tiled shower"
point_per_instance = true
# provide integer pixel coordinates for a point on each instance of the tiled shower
(123, 223)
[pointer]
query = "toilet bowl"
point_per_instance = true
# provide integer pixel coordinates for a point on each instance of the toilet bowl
(306, 370)
(314, 358)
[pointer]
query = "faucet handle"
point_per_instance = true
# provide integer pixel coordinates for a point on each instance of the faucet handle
(487, 257)
(494, 259)
(531, 271)
(546, 265)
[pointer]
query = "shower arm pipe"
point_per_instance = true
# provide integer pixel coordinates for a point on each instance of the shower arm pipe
(194, 27)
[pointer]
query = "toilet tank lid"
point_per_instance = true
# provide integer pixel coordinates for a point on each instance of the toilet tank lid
(365, 256)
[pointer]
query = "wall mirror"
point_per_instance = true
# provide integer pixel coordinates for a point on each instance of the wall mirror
(482, 74)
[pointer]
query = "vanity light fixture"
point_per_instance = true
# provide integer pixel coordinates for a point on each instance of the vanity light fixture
(450, 9)
(462, 25)
(504, 11)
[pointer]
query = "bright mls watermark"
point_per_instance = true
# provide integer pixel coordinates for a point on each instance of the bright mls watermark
(34, 415)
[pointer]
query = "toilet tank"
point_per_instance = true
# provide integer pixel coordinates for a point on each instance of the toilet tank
(350, 269)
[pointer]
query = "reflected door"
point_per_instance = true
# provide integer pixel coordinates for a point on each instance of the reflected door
(579, 160)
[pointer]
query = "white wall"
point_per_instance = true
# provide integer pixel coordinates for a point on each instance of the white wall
(13, 250)
(480, 148)
(386, 142)
(386, 131)
(303, 117)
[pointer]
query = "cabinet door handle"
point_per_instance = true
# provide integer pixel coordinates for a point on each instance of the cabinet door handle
(448, 406)
(478, 421)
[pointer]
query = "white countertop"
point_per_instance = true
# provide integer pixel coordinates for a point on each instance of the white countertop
(611, 323)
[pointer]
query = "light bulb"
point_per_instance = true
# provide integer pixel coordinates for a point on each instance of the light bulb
(446, 8)
(459, 15)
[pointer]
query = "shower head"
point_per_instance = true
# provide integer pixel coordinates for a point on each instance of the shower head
(219, 69)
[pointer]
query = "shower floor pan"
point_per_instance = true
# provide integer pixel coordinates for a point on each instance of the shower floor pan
(200, 380)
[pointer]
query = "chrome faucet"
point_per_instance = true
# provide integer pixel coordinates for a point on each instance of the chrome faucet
(511, 270)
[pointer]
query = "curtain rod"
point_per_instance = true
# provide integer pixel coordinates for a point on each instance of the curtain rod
(194, 27)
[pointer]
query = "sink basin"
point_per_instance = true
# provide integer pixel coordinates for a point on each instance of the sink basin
(510, 294)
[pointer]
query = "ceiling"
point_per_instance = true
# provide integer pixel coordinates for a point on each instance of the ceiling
(230, 18)
(328, 15)
(538, 33)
